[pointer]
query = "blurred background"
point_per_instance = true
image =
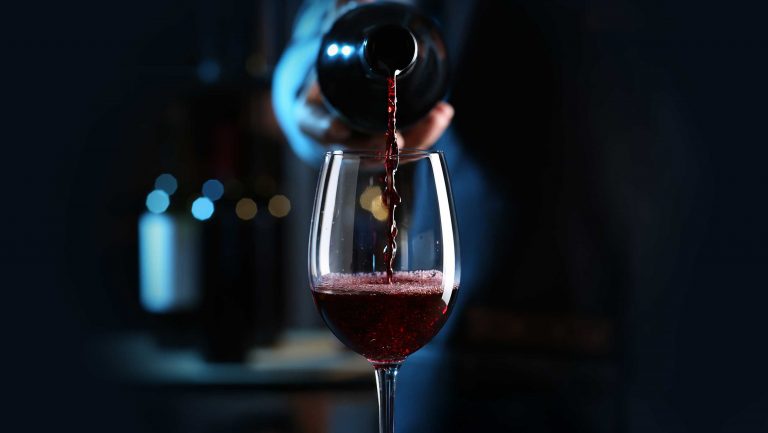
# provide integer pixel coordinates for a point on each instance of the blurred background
(155, 221)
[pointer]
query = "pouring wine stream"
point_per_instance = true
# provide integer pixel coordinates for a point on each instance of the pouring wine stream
(391, 50)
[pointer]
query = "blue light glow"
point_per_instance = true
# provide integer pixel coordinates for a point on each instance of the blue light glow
(169, 262)
(156, 262)
(213, 189)
(158, 201)
(208, 71)
(202, 208)
(346, 51)
(167, 183)
(332, 50)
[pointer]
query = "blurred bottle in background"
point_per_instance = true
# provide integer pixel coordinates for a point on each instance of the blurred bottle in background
(169, 254)
(210, 240)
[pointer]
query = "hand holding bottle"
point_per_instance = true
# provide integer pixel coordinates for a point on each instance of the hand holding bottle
(343, 102)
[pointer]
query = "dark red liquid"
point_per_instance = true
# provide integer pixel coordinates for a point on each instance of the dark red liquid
(385, 322)
(390, 197)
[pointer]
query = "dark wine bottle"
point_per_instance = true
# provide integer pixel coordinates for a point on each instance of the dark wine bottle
(371, 42)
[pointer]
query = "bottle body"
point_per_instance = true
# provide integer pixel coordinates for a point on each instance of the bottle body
(352, 65)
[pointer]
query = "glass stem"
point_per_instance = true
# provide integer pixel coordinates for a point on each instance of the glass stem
(385, 382)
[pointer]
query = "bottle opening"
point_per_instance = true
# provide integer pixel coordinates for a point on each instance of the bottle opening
(390, 49)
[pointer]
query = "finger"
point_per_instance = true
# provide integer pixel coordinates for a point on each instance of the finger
(428, 130)
(400, 140)
(320, 125)
(375, 142)
(313, 95)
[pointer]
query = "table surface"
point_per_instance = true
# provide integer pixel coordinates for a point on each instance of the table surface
(302, 360)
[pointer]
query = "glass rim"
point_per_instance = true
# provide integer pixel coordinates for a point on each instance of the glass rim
(380, 154)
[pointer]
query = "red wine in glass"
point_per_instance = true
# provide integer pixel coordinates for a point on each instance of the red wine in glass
(383, 319)
(384, 322)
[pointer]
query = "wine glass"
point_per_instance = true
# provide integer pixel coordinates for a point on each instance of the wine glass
(384, 313)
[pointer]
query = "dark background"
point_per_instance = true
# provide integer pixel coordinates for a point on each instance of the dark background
(663, 103)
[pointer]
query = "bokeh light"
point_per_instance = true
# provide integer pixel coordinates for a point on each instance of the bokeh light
(213, 189)
(368, 194)
(158, 201)
(377, 208)
(279, 206)
(332, 50)
(202, 208)
(167, 183)
(346, 50)
(246, 209)
(209, 71)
